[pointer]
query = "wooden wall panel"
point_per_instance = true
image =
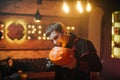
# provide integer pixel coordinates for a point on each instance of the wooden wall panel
(21, 54)
(51, 10)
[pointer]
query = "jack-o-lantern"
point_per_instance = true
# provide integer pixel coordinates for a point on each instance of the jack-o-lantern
(61, 56)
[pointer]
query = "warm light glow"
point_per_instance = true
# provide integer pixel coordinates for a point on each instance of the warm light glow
(72, 28)
(2, 37)
(9, 22)
(39, 27)
(2, 31)
(88, 7)
(117, 24)
(34, 29)
(33, 26)
(29, 26)
(48, 38)
(65, 7)
(29, 32)
(2, 25)
(112, 56)
(39, 38)
(117, 38)
(37, 16)
(68, 28)
(39, 32)
(79, 6)
(29, 37)
(33, 32)
(37, 21)
(112, 30)
(113, 44)
(44, 37)
(116, 51)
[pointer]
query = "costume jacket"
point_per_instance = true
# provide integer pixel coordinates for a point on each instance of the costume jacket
(87, 60)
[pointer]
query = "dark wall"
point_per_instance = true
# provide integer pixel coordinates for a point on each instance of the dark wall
(111, 66)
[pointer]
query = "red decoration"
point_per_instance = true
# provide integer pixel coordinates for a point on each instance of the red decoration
(15, 31)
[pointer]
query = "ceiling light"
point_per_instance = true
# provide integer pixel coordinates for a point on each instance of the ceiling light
(37, 16)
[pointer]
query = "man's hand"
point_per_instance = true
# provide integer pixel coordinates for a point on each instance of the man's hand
(72, 64)
(19, 71)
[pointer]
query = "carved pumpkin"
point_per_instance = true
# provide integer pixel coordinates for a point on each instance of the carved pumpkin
(61, 56)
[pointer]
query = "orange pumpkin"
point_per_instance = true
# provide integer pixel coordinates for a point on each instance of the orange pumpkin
(61, 56)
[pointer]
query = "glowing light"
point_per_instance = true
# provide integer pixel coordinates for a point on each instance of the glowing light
(39, 27)
(79, 6)
(48, 38)
(44, 34)
(29, 32)
(2, 25)
(68, 28)
(33, 32)
(112, 56)
(39, 32)
(33, 26)
(29, 37)
(2, 37)
(34, 29)
(113, 44)
(72, 28)
(116, 51)
(65, 7)
(9, 22)
(2, 31)
(29, 26)
(88, 8)
(39, 38)
(44, 38)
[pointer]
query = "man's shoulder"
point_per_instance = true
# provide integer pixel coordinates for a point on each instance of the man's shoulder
(83, 40)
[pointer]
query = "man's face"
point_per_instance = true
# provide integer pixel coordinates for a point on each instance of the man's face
(10, 62)
(57, 38)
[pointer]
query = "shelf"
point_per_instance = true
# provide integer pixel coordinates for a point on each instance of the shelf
(115, 34)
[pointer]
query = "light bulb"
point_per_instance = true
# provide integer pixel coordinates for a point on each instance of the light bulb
(79, 7)
(65, 7)
(88, 8)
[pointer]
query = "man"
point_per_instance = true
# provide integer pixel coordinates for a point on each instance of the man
(11, 70)
(87, 63)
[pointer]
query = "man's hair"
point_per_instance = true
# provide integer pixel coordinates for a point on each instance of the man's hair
(57, 26)
(8, 58)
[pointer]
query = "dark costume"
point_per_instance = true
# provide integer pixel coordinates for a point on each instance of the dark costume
(10, 73)
(84, 52)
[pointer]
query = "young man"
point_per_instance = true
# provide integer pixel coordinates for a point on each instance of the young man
(11, 70)
(87, 62)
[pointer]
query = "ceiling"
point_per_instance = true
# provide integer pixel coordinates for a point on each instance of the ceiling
(47, 8)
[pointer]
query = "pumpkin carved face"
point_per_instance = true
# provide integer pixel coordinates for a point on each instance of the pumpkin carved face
(61, 56)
